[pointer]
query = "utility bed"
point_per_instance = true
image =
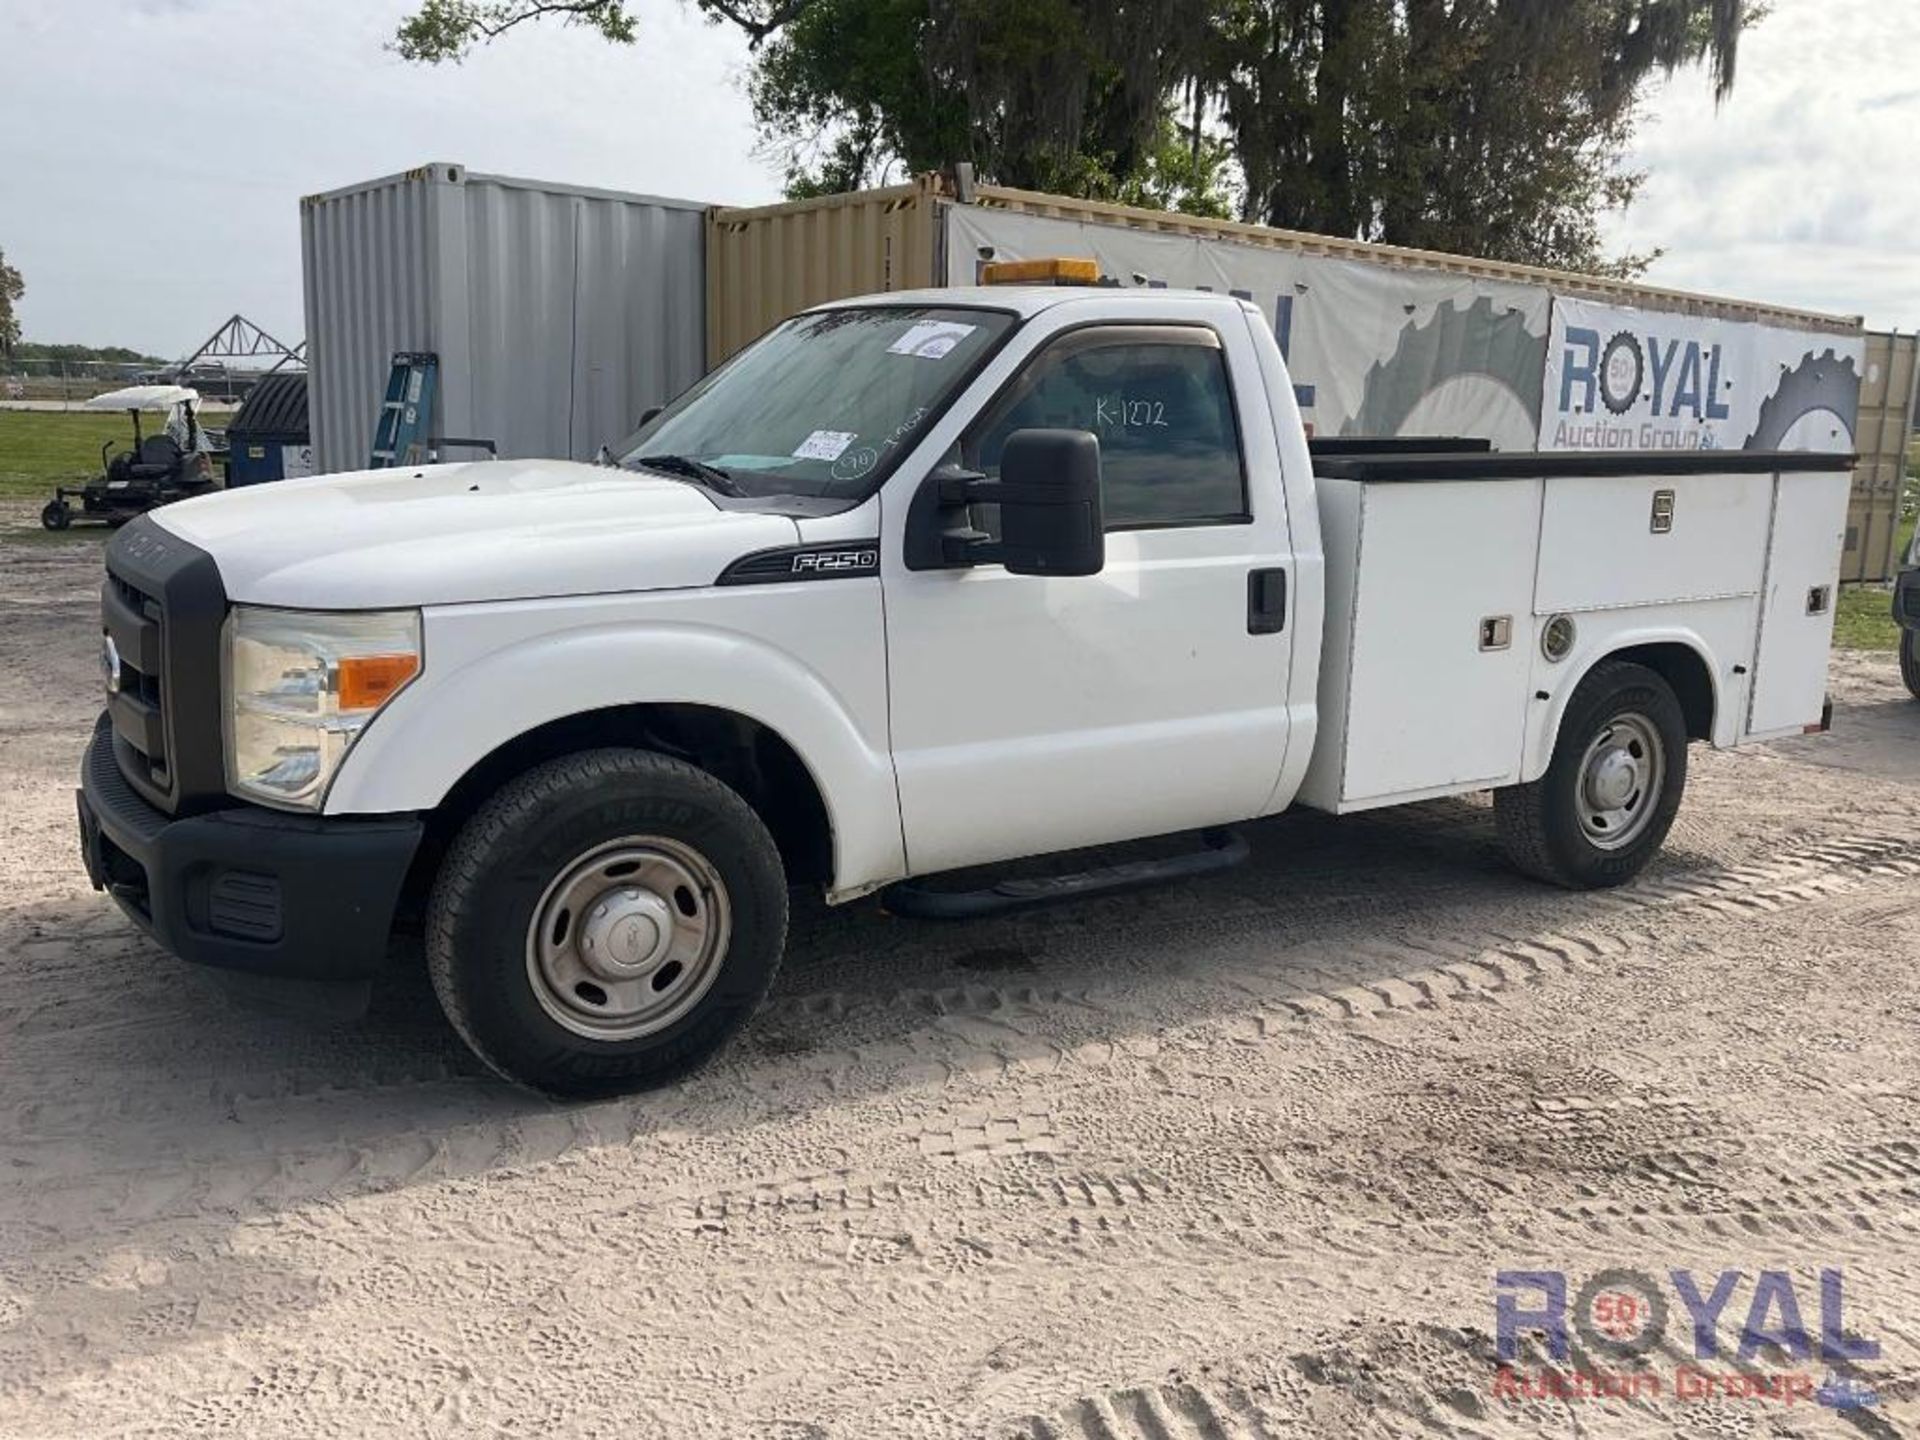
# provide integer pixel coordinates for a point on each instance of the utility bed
(1444, 570)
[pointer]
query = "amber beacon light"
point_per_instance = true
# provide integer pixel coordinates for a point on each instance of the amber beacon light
(1041, 272)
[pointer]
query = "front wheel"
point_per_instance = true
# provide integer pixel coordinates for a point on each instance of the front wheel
(1611, 791)
(1910, 661)
(606, 922)
(56, 515)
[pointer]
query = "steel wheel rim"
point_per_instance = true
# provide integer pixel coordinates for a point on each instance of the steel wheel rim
(1620, 780)
(628, 938)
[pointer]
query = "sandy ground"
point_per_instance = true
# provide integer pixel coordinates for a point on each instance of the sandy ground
(1237, 1159)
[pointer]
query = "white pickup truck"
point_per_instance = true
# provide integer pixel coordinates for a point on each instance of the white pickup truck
(919, 581)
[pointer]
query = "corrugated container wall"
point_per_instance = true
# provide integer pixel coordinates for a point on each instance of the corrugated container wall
(559, 314)
(1886, 421)
(768, 262)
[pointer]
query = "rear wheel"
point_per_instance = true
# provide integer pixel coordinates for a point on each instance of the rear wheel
(1611, 791)
(606, 922)
(1910, 661)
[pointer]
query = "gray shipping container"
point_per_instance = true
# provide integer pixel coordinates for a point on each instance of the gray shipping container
(559, 314)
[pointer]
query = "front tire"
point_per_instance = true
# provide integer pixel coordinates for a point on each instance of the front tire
(1611, 791)
(56, 515)
(1910, 661)
(606, 922)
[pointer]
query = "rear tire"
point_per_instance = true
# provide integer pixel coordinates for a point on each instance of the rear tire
(606, 922)
(1610, 793)
(1910, 661)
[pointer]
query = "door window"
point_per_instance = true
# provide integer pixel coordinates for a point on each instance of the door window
(1159, 400)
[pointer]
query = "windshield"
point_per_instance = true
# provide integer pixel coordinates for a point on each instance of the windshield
(824, 404)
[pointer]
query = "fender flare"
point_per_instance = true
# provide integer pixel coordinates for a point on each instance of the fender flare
(432, 734)
(1543, 725)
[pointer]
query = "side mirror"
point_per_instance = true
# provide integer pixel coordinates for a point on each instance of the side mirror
(1051, 520)
(646, 415)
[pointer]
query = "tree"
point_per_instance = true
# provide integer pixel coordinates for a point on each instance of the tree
(1484, 127)
(1042, 94)
(443, 30)
(12, 287)
(1063, 95)
(83, 354)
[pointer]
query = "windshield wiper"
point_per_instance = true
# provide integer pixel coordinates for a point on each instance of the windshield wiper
(685, 467)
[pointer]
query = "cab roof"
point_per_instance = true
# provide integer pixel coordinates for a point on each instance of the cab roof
(1026, 301)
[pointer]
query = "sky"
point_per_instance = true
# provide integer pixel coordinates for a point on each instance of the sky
(1804, 187)
(155, 150)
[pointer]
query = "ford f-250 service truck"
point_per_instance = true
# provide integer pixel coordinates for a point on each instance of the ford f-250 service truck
(918, 582)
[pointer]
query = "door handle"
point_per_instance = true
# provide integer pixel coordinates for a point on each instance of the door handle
(1266, 601)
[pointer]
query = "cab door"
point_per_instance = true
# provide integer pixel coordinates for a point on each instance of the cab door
(1033, 714)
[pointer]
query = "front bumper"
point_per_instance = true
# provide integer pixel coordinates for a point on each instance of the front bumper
(1906, 600)
(246, 888)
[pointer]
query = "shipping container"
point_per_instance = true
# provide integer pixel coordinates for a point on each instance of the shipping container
(766, 261)
(1886, 421)
(558, 313)
(1383, 339)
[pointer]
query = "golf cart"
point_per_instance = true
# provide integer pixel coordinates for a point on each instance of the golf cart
(169, 464)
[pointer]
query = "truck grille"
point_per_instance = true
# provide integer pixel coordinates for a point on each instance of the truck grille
(132, 620)
(160, 614)
(1910, 602)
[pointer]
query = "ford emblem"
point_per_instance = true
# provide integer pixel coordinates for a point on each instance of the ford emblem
(110, 663)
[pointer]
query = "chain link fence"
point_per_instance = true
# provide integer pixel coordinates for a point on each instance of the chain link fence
(62, 384)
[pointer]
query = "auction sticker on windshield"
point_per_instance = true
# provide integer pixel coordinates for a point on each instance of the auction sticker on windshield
(824, 445)
(931, 339)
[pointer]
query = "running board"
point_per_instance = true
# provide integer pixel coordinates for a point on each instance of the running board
(1220, 850)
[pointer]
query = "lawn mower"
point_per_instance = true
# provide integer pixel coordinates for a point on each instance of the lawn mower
(170, 464)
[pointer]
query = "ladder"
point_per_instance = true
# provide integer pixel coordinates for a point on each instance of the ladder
(407, 409)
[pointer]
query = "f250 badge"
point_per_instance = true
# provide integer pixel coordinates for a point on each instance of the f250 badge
(834, 562)
(837, 560)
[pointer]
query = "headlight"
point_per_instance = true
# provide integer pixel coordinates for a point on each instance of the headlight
(300, 687)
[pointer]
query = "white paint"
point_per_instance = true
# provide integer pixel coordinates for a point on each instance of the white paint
(1803, 555)
(1417, 705)
(446, 534)
(1599, 550)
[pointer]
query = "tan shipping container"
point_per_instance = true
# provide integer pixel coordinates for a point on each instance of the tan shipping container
(1881, 435)
(767, 262)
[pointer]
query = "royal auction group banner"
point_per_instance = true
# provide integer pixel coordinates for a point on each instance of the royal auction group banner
(1629, 379)
(1379, 350)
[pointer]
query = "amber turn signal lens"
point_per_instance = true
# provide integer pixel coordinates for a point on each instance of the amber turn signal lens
(369, 681)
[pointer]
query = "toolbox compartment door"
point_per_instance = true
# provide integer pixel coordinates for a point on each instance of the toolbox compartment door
(1801, 589)
(1417, 698)
(1608, 541)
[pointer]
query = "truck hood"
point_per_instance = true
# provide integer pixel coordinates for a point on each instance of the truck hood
(489, 530)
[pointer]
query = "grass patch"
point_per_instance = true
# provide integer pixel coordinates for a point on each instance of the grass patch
(1863, 620)
(43, 448)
